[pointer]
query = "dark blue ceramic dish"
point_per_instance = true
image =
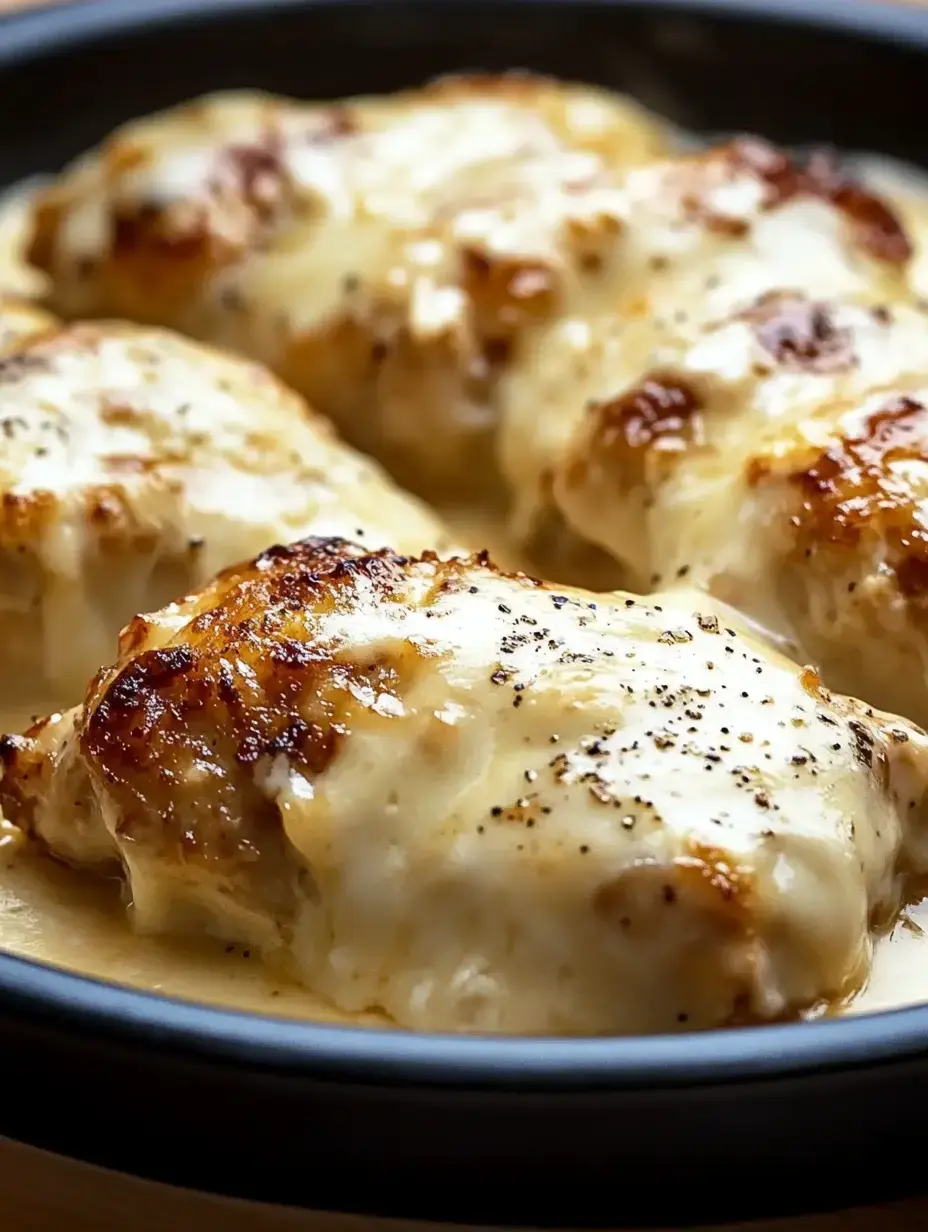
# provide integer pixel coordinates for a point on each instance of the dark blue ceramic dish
(612, 1132)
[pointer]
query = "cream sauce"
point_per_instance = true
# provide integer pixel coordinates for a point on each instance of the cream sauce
(72, 920)
(900, 969)
(55, 915)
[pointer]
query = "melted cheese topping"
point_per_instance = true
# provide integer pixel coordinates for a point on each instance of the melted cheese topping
(527, 174)
(136, 464)
(383, 255)
(478, 803)
(779, 462)
(693, 242)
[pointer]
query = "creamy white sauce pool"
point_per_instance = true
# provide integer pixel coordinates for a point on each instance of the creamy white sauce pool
(51, 914)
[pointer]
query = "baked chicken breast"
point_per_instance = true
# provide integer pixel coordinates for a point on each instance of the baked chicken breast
(452, 274)
(781, 464)
(135, 464)
(384, 255)
(686, 243)
(481, 803)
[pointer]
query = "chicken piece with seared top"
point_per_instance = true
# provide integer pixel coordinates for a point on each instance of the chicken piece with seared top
(691, 242)
(133, 465)
(451, 274)
(384, 255)
(481, 803)
(780, 463)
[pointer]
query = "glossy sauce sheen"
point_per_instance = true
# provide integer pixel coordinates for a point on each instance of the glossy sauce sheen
(58, 916)
(55, 915)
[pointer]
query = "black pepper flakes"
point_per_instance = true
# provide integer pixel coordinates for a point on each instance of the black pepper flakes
(671, 636)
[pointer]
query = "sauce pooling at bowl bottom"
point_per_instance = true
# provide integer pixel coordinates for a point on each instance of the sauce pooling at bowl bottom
(55, 915)
(59, 916)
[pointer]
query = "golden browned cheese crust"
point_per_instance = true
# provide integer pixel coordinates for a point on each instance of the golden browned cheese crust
(779, 461)
(848, 490)
(876, 225)
(696, 240)
(636, 434)
(634, 440)
(839, 514)
(800, 334)
(479, 802)
(244, 656)
(133, 465)
(384, 255)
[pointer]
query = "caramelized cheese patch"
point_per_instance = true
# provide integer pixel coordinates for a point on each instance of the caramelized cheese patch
(801, 334)
(848, 491)
(660, 413)
(876, 226)
(250, 656)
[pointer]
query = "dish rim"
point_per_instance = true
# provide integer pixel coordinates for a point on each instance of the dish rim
(64, 25)
(41, 993)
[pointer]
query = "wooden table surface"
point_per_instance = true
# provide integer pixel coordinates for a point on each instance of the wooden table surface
(42, 1193)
